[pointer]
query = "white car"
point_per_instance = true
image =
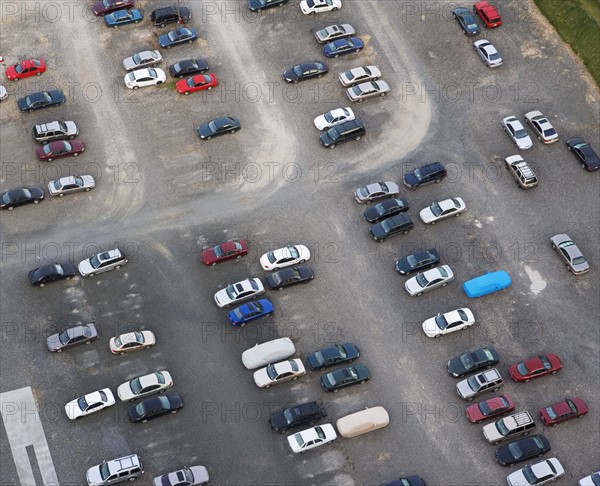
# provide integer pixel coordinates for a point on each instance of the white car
(141, 78)
(539, 473)
(102, 262)
(284, 257)
(488, 53)
(188, 476)
(131, 341)
(442, 210)
(334, 117)
(3, 93)
(541, 126)
(367, 90)
(90, 403)
(142, 59)
(145, 385)
(311, 438)
(591, 480)
(428, 280)
(317, 6)
(455, 320)
(269, 352)
(69, 184)
(279, 372)
(516, 131)
(360, 74)
(238, 292)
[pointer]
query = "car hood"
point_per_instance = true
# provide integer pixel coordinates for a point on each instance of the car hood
(490, 432)
(464, 390)
(371, 214)
(321, 123)
(261, 355)
(129, 64)
(22, 103)
(277, 419)
(222, 298)
(200, 474)
(72, 409)
(164, 40)
(289, 74)
(204, 131)
(326, 139)
(124, 391)
(377, 231)
(85, 267)
(412, 286)
(426, 215)
(53, 342)
(504, 456)
(455, 367)
(410, 179)
(261, 378)
(93, 476)
(430, 327)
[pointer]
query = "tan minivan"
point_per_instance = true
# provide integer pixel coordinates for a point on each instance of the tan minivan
(359, 423)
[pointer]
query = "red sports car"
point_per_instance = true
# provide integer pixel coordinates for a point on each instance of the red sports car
(535, 367)
(225, 251)
(62, 148)
(488, 13)
(196, 83)
(25, 69)
(492, 407)
(107, 6)
(559, 412)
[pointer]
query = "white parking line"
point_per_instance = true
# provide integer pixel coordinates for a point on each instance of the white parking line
(23, 429)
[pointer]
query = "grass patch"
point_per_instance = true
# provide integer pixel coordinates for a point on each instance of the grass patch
(578, 23)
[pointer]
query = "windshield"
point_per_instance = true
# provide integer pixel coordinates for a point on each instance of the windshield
(83, 405)
(494, 56)
(522, 369)
(435, 209)
(63, 337)
(529, 476)
(18, 68)
(231, 292)
(104, 470)
(329, 117)
(501, 426)
(417, 174)
(118, 342)
(136, 386)
(421, 280)
(136, 58)
(441, 322)
(57, 185)
(466, 361)
(217, 249)
(515, 450)
(319, 357)
(212, 126)
(94, 261)
(473, 383)
(551, 413)
(521, 133)
(298, 71)
(271, 372)
(485, 410)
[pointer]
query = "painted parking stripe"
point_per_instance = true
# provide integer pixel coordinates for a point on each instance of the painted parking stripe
(24, 429)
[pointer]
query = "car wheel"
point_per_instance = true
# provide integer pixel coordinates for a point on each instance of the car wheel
(186, 93)
(433, 222)
(242, 324)
(420, 293)
(553, 373)
(115, 26)
(190, 41)
(334, 9)
(496, 389)
(470, 399)
(380, 240)
(368, 201)
(527, 380)
(444, 284)
(363, 381)
(332, 146)
(360, 100)
(336, 390)
(405, 232)
(496, 443)
(294, 378)
(208, 138)
(16, 79)
(319, 76)
(280, 288)
(35, 201)
(158, 82)
(336, 56)
(122, 353)
(135, 87)
(382, 94)
(50, 159)
(162, 26)
(137, 22)
(232, 132)
(91, 274)
(143, 421)
(117, 267)
(10, 208)
(583, 166)
(437, 336)
(283, 431)
(75, 154)
(133, 479)
(357, 50)
(267, 386)
(42, 284)
(357, 138)
(554, 425)
(209, 88)
(173, 411)
(62, 195)
(131, 400)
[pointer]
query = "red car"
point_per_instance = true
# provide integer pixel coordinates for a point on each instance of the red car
(25, 69)
(107, 6)
(196, 83)
(488, 13)
(62, 148)
(559, 412)
(492, 407)
(225, 251)
(535, 367)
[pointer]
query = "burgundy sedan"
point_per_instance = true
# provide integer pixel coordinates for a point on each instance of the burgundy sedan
(62, 148)
(535, 367)
(25, 69)
(107, 6)
(492, 407)
(224, 251)
(568, 409)
(196, 83)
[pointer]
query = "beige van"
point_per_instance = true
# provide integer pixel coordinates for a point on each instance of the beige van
(362, 422)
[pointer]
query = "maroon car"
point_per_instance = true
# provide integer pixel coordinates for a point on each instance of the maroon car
(62, 148)
(224, 251)
(492, 407)
(535, 367)
(568, 409)
(107, 6)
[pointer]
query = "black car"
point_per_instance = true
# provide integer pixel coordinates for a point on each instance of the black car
(41, 99)
(585, 152)
(258, 5)
(51, 272)
(385, 209)
(334, 355)
(423, 175)
(408, 481)
(522, 450)
(305, 413)
(344, 132)
(473, 361)
(177, 36)
(169, 15)
(417, 262)
(338, 379)
(305, 71)
(22, 195)
(218, 126)
(151, 408)
(289, 276)
(188, 67)
(401, 223)
(466, 20)
(70, 337)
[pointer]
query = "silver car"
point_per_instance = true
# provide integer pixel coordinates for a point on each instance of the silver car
(115, 471)
(142, 59)
(367, 90)
(187, 476)
(429, 280)
(359, 75)
(72, 336)
(488, 53)
(541, 126)
(102, 262)
(516, 131)
(334, 32)
(249, 288)
(570, 253)
(69, 184)
(142, 386)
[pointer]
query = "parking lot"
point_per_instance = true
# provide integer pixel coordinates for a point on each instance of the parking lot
(162, 195)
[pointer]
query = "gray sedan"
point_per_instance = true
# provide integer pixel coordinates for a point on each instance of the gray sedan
(367, 90)
(429, 280)
(334, 32)
(142, 59)
(570, 253)
(188, 476)
(72, 336)
(69, 184)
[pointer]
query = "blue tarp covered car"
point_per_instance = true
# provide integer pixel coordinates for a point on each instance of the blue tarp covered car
(487, 284)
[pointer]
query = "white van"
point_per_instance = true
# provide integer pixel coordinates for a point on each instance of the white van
(269, 352)
(359, 423)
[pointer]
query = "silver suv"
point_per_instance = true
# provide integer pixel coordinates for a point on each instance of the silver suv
(489, 380)
(509, 427)
(127, 468)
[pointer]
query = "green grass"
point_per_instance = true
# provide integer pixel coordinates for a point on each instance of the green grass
(578, 23)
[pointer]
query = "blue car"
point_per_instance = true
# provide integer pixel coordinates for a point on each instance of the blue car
(250, 311)
(343, 46)
(123, 17)
(466, 20)
(487, 284)
(177, 36)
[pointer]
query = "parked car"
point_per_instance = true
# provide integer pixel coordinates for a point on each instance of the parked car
(145, 385)
(154, 407)
(332, 356)
(306, 70)
(269, 352)
(141, 78)
(408, 481)
(227, 250)
(516, 131)
(585, 152)
(177, 37)
(472, 361)
(3, 93)
(334, 117)
(361, 422)
(488, 13)
(344, 377)
(540, 473)
(421, 260)
(55, 130)
(535, 367)
(188, 476)
(273, 374)
(259, 5)
(71, 337)
(123, 17)
(314, 437)
(188, 67)
(359, 75)
(425, 174)
(235, 293)
(51, 272)
(114, 471)
(490, 408)
(173, 14)
(366, 90)
(41, 99)
(21, 195)
(289, 276)
(344, 132)
(375, 191)
(521, 171)
(199, 82)
(466, 21)
(487, 284)
(242, 315)
(401, 223)
(333, 32)
(514, 425)
(342, 47)
(544, 130)
(488, 53)
(570, 253)
(591, 480)
(311, 7)
(284, 257)
(90, 403)
(456, 320)
(102, 262)
(385, 209)
(305, 413)
(107, 6)
(219, 126)
(522, 450)
(442, 210)
(144, 59)
(568, 409)
(486, 381)
(58, 149)
(70, 184)
(132, 341)
(25, 69)
(429, 280)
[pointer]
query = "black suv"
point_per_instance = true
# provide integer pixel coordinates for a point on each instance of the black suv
(401, 223)
(168, 15)
(283, 420)
(350, 130)
(428, 173)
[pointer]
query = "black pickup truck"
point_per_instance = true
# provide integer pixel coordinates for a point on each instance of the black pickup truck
(288, 418)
